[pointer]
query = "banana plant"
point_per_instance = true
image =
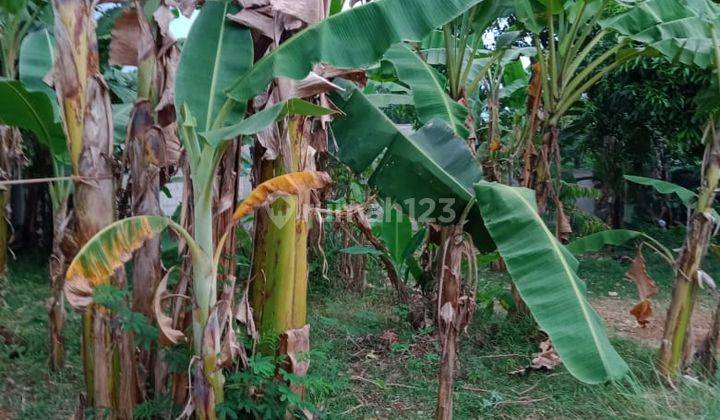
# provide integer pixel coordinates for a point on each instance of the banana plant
(567, 39)
(32, 105)
(105, 253)
(141, 38)
(686, 31)
(16, 20)
(498, 216)
(279, 301)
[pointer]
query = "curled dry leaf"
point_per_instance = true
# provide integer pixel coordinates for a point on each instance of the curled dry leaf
(638, 273)
(308, 11)
(646, 289)
(564, 230)
(642, 312)
(244, 313)
(546, 358)
(168, 334)
(256, 20)
(291, 184)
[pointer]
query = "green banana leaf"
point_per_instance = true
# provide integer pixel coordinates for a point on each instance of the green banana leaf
(261, 120)
(215, 52)
(489, 11)
(355, 38)
(36, 60)
(428, 89)
(596, 241)
(384, 100)
(396, 233)
(429, 174)
(545, 275)
(663, 187)
(31, 111)
(121, 118)
(679, 29)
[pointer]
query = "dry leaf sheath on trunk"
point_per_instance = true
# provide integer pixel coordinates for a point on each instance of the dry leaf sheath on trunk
(87, 121)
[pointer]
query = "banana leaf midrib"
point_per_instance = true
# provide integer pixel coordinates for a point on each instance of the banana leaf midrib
(570, 276)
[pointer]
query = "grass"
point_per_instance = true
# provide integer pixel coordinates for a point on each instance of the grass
(373, 365)
(375, 378)
(27, 389)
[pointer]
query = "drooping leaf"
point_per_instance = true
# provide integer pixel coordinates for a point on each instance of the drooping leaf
(215, 53)
(37, 55)
(664, 187)
(545, 275)
(679, 29)
(428, 89)
(261, 120)
(432, 171)
(32, 111)
(596, 241)
(354, 38)
(107, 251)
(291, 184)
(639, 275)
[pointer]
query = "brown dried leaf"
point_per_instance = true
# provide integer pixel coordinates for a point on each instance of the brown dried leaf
(244, 313)
(547, 358)
(637, 273)
(186, 7)
(255, 19)
(563, 228)
(642, 312)
(168, 334)
(312, 85)
(131, 40)
(356, 75)
(308, 11)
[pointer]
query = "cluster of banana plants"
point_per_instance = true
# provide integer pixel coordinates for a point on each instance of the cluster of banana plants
(289, 79)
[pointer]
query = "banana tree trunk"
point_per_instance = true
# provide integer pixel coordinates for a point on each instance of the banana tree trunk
(87, 121)
(708, 351)
(455, 309)
(279, 289)
(58, 266)
(11, 158)
(677, 336)
(448, 301)
(208, 379)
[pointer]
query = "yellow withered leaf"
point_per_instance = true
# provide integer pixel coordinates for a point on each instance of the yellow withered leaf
(107, 251)
(291, 184)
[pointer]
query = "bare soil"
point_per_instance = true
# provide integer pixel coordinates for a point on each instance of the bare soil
(616, 313)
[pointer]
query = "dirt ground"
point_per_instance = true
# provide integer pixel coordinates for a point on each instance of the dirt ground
(616, 313)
